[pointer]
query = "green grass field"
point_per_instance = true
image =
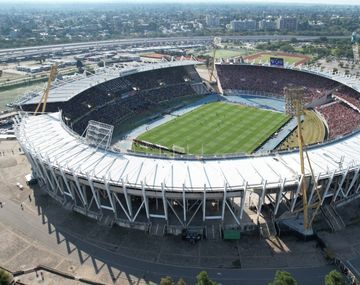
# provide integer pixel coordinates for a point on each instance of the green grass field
(8, 96)
(265, 58)
(227, 53)
(217, 128)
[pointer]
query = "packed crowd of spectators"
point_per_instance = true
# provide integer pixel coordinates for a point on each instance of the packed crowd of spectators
(348, 96)
(340, 118)
(342, 115)
(350, 100)
(272, 80)
(116, 100)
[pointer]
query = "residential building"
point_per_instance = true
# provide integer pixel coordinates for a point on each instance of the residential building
(287, 24)
(243, 25)
(212, 21)
(267, 25)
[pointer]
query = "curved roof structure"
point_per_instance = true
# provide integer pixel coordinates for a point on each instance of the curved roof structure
(49, 138)
(64, 92)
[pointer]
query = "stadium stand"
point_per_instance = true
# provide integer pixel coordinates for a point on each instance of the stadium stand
(348, 96)
(349, 100)
(272, 80)
(340, 110)
(116, 100)
(340, 118)
(161, 77)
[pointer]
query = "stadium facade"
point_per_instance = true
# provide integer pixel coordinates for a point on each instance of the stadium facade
(141, 190)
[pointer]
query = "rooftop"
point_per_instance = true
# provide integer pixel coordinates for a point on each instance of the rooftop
(47, 137)
(64, 91)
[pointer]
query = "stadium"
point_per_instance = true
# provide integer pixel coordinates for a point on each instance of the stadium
(154, 147)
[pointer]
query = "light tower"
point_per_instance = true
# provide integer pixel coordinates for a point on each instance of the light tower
(294, 106)
(45, 95)
(215, 45)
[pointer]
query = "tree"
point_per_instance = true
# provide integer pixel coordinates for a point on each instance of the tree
(5, 277)
(283, 278)
(334, 278)
(323, 39)
(203, 279)
(80, 66)
(181, 282)
(166, 281)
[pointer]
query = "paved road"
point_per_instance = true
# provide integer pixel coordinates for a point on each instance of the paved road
(67, 47)
(29, 224)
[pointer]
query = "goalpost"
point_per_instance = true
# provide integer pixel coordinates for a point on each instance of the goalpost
(178, 149)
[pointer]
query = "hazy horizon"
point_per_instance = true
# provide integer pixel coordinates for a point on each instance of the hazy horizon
(335, 2)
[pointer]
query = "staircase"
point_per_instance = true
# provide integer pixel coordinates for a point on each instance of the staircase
(105, 220)
(267, 228)
(213, 232)
(333, 219)
(174, 230)
(157, 229)
(199, 89)
(68, 205)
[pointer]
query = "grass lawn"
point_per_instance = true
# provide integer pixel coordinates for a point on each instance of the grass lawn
(217, 128)
(8, 96)
(10, 76)
(264, 57)
(225, 53)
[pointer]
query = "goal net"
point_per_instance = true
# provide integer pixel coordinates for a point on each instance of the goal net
(178, 149)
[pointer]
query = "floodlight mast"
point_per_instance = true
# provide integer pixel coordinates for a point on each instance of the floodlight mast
(45, 95)
(294, 106)
(215, 45)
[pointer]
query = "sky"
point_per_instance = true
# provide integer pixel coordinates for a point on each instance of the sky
(344, 2)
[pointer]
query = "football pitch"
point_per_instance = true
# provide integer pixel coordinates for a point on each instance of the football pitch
(216, 128)
(265, 58)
